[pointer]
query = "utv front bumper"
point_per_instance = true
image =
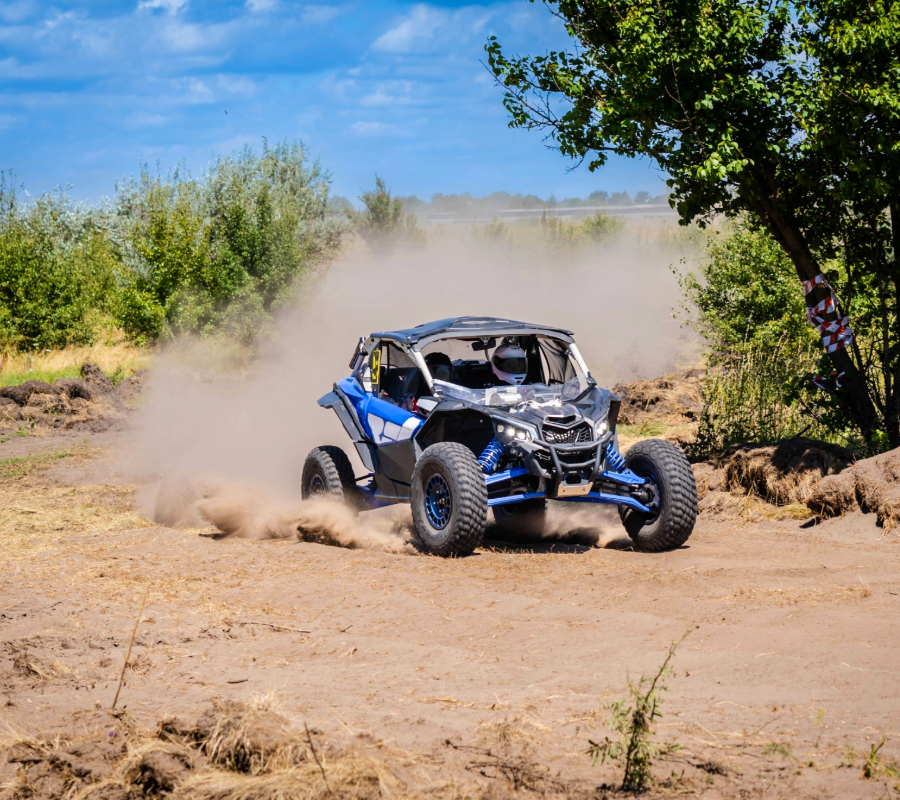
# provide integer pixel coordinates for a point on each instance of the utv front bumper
(589, 472)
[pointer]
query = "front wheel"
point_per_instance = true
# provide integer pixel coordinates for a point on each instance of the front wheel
(449, 500)
(328, 473)
(674, 497)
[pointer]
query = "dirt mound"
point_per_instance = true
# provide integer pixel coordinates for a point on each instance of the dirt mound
(667, 407)
(92, 401)
(783, 473)
(235, 749)
(770, 481)
(871, 485)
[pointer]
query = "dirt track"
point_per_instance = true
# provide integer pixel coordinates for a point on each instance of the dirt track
(791, 659)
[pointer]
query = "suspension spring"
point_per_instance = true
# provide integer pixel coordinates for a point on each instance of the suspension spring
(614, 460)
(491, 456)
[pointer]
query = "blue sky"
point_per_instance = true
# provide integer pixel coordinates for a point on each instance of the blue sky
(90, 89)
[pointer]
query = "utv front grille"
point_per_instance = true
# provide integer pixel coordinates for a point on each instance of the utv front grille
(560, 434)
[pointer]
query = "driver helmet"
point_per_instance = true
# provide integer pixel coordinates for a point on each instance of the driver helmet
(510, 364)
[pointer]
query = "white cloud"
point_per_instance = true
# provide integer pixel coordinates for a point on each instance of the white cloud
(427, 28)
(170, 6)
(418, 28)
(319, 15)
(147, 120)
(193, 91)
(371, 129)
(392, 93)
(16, 12)
(59, 19)
(237, 85)
(257, 6)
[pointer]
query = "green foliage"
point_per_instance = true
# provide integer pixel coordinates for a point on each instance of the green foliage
(226, 251)
(170, 256)
(761, 392)
(746, 289)
(875, 766)
(601, 226)
(745, 300)
(783, 110)
(553, 231)
(632, 720)
(384, 223)
(778, 748)
(57, 272)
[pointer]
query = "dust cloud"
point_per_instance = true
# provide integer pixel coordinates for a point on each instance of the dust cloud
(227, 449)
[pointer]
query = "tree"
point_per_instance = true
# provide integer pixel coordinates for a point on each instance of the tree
(384, 223)
(787, 111)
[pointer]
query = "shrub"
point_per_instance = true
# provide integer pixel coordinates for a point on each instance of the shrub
(58, 272)
(746, 289)
(245, 233)
(384, 224)
(174, 255)
(761, 392)
(764, 356)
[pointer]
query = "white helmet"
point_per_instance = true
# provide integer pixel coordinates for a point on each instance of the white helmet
(510, 364)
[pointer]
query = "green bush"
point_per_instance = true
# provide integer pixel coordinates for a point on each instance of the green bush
(244, 235)
(747, 303)
(177, 255)
(383, 223)
(58, 272)
(762, 392)
(746, 289)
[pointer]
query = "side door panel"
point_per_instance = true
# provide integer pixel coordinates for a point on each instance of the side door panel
(389, 427)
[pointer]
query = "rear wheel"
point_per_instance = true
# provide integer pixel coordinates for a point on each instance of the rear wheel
(328, 473)
(526, 519)
(449, 500)
(673, 492)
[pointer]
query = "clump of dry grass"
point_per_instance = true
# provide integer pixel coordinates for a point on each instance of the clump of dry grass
(785, 473)
(250, 736)
(113, 357)
(800, 594)
(236, 751)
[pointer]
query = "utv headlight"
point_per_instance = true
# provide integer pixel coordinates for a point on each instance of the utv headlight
(602, 427)
(507, 433)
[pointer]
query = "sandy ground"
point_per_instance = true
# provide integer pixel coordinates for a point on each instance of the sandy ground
(453, 669)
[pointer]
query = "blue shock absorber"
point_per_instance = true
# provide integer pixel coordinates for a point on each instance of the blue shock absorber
(491, 456)
(614, 460)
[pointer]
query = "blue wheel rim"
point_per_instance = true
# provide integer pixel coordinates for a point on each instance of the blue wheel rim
(317, 485)
(438, 503)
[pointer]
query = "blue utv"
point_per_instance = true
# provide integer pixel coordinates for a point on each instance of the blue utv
(462, 415)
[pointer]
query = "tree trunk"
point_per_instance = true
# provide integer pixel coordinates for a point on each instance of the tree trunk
(784, 229)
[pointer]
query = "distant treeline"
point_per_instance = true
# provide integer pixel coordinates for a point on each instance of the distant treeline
(503, 201)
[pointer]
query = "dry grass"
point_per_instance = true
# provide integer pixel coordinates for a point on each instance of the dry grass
(236, 751)
(113, 357)
(251, 737)
(37, 513)
(785, 473)
(809, 595)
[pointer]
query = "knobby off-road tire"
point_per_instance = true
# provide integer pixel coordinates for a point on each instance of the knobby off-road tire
(449, 499)
(525, 520)
(672, 524)
(328, 473)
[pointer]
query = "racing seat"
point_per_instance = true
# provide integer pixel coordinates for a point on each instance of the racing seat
(440, 366)
(401, 382)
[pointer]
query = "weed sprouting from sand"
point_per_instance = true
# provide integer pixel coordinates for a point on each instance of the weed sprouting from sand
(632, 720)
(778, 748)
(875, 766)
